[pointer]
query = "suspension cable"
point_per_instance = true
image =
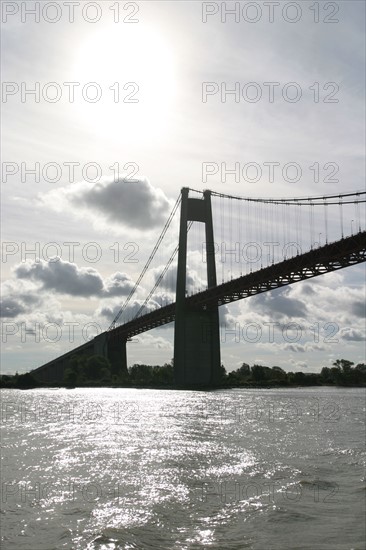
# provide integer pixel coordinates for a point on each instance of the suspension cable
(295, 199)
(305, 201)
(165, 229)
(160, 278)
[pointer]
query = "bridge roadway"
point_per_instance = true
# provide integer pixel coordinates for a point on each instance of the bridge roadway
(330, 257)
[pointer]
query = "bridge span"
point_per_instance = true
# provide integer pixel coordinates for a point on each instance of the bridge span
(196, 314)
(112, 344)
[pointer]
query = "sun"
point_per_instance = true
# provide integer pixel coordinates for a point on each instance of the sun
(134, 69)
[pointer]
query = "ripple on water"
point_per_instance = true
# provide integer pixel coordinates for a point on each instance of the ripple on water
(182, 470)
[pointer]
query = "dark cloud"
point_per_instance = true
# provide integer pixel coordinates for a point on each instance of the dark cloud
(301, 348)
(296, 348)
(163, 298)
(67, 278)
(110, 311)
(11, 307)
(136, 204)
(307, 289)
(169, 282)
(278, 305)
(358, 309)
(30, 300)
(62, 277)
(17, 300)
(132, 203)
(353, 335)
(118, 284)
(226, 319)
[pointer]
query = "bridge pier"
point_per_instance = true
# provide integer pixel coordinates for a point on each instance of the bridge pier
(113, 349)
(117, 356)
(196, 333)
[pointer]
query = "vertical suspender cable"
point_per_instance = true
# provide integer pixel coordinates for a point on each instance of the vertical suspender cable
(341, 215)
(326, 221)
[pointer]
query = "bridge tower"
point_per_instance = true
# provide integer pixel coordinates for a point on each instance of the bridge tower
(196, 334)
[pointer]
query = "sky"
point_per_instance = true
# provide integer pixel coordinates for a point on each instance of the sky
(110, 108)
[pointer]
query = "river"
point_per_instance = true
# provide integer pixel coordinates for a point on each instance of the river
(108, 469)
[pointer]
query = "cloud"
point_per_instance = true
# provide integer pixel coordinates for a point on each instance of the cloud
(299, 365)
(329, 303)
(299, 348)
(158, 342)
(226, 318)
(279, 305)
(353, 335)
(131, 203)
(307, 289)
(307, 347)
(109, 311)
(18, 298)
(333, 301)
(119, 284)
(67, 278)
(30, 310)
(63, 277)
(358, 309)
(11, 307)
(169, 282)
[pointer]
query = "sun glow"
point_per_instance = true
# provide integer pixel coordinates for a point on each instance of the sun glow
(134, 68)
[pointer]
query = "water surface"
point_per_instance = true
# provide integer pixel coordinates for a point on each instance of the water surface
(108, 469)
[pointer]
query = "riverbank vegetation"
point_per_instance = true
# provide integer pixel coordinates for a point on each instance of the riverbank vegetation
(95, 371)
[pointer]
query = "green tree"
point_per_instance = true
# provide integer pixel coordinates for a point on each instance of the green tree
(70, 377)
(336, 374)
(163, 376)
(142, 374)
(223, 374)
(258, 373)
(95, 367)
(244, 370)
(326, 374)
(359, 373)
(278, 374)
(344, 365)
(26, 381)
(299, 378)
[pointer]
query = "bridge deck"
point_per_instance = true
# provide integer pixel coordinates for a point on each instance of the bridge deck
(330, 257)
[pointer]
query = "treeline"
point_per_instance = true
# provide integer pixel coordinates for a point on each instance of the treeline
(342, 373)
(96, 371)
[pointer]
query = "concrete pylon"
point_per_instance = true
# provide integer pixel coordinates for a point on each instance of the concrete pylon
(196, 334)
(113, 349)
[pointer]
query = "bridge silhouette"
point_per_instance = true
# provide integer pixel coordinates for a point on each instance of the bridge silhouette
(247, 224)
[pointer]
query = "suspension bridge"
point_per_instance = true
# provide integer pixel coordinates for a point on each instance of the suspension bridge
(222, 249)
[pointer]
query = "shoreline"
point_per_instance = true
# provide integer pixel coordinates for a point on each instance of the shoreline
(174, 388)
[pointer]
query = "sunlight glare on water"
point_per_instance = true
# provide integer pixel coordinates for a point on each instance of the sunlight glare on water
(108, 469)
